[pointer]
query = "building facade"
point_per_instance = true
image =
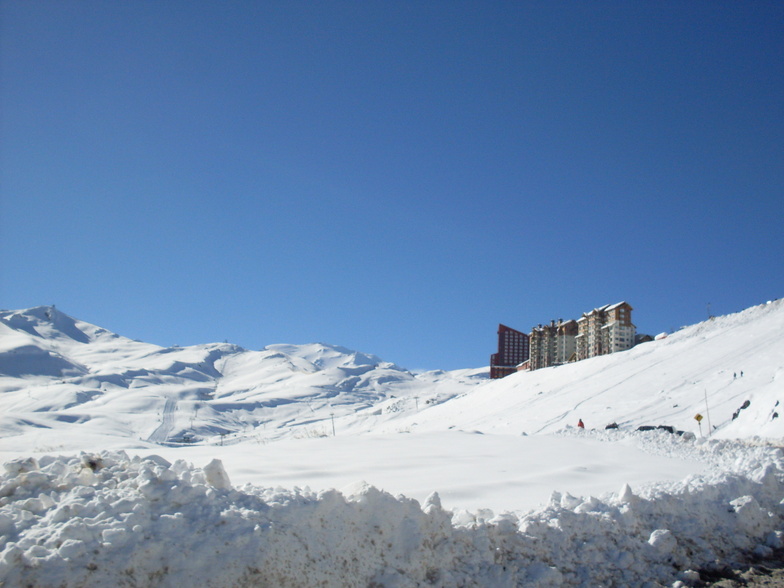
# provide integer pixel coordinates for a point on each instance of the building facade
(566, 342)
(619, 332)
(513, 349)
(553, 344)
(543, 346)
(605, 330)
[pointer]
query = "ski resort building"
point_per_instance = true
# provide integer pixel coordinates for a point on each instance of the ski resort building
(542, 344)
(566, 343)
(513, 350)
(553, 344)
(601, 331)
(605, 330)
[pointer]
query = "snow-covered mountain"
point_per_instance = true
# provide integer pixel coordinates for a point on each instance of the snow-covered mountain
(55, 369)
(522, 497)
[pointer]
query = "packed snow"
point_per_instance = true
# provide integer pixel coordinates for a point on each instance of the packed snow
(318, 465)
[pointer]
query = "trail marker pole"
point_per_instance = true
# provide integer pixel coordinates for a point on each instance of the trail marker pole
(332, 416)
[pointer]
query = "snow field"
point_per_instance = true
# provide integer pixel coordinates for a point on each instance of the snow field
(110, 519)
(629, 508)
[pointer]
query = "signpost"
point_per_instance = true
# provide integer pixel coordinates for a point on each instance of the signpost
(698, 418)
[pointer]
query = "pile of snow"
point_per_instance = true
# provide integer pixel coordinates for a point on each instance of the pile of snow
(110, 519)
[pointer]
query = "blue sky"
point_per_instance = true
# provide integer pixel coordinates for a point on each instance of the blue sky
(394, 177)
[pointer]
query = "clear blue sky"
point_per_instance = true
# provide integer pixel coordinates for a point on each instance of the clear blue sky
(394, 177)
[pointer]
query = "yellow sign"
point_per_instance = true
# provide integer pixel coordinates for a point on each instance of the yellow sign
(698, 417)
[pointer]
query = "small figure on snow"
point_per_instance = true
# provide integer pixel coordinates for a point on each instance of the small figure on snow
(581, 424)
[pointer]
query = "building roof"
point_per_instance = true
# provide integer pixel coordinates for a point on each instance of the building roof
(502, 328)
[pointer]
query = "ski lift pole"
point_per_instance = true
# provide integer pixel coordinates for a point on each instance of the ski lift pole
(707, 413)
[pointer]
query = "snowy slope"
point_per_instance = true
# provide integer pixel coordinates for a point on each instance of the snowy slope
(55, 369)
(664, 382)
(523, 498)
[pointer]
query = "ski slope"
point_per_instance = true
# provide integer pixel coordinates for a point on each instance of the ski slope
(315, 464)
(712, 369)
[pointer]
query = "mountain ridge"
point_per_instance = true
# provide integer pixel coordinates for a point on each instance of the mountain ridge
(54, 369)
(221, 388)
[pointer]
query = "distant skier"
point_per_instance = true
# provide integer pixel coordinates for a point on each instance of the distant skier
(581, 424)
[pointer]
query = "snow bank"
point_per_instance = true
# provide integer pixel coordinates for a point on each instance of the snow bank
(109, 519)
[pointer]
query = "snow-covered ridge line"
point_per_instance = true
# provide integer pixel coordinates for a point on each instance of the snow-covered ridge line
(54, 369)
(107, 519)
(49, 373)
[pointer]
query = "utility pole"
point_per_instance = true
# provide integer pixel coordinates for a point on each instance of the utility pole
(707, 413)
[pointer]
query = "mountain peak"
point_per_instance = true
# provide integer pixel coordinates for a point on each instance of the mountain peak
(325, 355)
(46, 322)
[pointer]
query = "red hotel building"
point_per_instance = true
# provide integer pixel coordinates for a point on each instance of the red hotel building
(513, 349)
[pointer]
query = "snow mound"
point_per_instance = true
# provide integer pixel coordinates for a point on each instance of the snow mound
(107, 519)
